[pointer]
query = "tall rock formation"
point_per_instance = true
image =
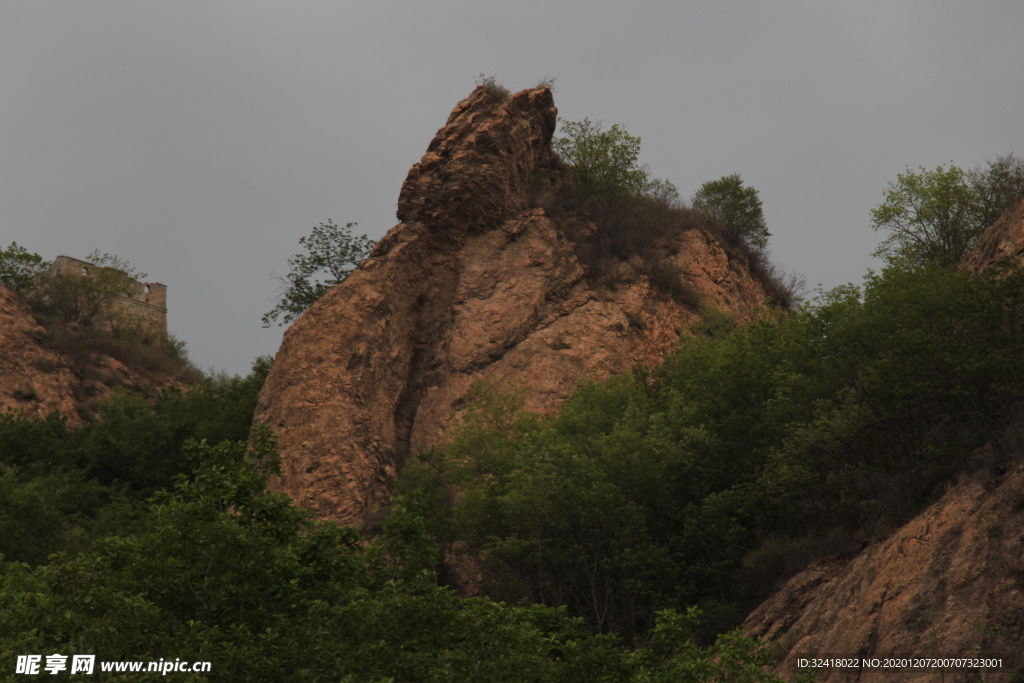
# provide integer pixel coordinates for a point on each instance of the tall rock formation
(473, 283)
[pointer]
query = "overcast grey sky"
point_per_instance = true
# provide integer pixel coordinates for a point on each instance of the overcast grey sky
(200, 140)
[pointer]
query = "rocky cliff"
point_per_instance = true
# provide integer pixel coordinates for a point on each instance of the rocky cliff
(1003, 240)
(948, 583)
(475, 282)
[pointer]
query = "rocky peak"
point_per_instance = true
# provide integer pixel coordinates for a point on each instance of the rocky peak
(477, 167)
(473, 283)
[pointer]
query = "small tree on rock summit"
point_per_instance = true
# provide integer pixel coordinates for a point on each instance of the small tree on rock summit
(332, 254)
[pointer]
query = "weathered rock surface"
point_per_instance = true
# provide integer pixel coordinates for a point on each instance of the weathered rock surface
(472, 284)
(948, 583)
(1004, 239)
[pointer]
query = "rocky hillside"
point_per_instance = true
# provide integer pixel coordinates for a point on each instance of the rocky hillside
(477, 282)
(950, 582)
(65, 369)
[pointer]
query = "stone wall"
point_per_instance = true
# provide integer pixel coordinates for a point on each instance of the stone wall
(149, 300)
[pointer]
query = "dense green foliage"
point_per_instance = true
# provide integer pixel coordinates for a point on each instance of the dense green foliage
(938, 215)
(332, 253)
(750, 452)
(604, 162)
(61, 486)
(737, 207)
(640, 216)
(223, 571)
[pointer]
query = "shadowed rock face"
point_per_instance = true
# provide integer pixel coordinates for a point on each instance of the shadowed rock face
(950, 582)
(472, 284)
(1004, 239)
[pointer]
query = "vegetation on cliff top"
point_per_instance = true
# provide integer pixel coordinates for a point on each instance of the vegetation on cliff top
(81, 318)
(597, 174)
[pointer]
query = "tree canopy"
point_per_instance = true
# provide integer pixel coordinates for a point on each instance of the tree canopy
(332, 253)
(737, 206)
(19, 267)
(938, 215)
(604, 163)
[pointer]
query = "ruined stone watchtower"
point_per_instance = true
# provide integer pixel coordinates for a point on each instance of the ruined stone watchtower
(148, 301)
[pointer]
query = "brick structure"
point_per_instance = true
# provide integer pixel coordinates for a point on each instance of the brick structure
(149, 300)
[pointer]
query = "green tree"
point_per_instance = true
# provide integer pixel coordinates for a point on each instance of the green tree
(332, 253)
(737, 206)
(604, 162)
(930, 216)
(19, 268)
(938, 215)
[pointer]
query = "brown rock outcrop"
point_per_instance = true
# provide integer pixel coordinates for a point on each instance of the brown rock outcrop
(948, 583)
(473, 283)
(1004, 239)
(33, 378)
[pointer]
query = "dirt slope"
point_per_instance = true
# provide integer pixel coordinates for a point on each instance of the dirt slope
(33, 378)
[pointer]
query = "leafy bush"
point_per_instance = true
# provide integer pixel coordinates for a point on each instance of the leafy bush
(604, 162)
(20, 269)
(737, 207)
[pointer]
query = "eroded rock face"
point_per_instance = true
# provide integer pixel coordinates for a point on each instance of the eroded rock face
(950, 582)
(472, 284)
(1004, 239)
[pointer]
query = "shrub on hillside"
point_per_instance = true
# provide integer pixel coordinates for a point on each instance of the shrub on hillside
(20, 269)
